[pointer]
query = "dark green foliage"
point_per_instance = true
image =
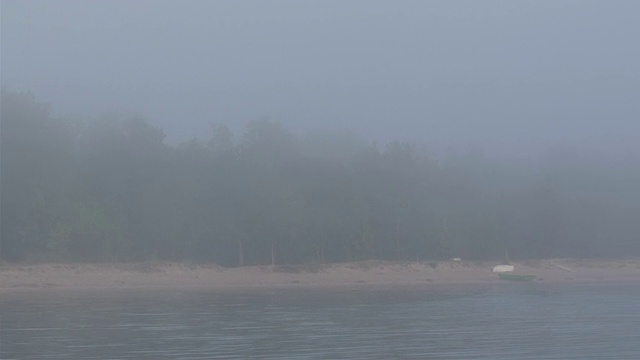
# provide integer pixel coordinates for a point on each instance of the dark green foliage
(112, 190)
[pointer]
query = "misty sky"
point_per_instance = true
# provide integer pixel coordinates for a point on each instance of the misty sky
(507, 76)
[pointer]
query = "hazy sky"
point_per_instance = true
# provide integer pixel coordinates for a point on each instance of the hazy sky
(511, 76)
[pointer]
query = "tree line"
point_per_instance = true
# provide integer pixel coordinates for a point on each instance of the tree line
(112, 189)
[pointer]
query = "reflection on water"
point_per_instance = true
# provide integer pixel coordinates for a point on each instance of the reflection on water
(511, 321)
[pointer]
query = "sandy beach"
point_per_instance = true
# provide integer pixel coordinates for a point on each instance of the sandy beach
(366, 273)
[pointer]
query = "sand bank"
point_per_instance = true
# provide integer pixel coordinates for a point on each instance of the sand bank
(366, 273)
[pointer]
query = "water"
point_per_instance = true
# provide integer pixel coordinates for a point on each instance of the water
(510, 321)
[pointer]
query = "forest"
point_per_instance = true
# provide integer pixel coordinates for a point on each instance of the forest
(112, 190)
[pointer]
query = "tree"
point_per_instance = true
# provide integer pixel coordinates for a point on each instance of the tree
(37, 173)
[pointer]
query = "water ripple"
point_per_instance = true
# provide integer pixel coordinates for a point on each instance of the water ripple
(587, 322)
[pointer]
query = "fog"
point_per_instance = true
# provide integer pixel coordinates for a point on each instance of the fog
(282, 132)
(510, 78)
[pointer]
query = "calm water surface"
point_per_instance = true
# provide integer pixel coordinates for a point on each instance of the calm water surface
(510, 321)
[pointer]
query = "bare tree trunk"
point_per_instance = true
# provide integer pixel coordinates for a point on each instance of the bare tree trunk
(240, 253)
(399, 251)
(319, 252)
(273, 254)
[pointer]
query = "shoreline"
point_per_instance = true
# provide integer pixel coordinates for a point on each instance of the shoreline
(364, 274)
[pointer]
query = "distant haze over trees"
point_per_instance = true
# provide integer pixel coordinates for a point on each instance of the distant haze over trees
(112, 189)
